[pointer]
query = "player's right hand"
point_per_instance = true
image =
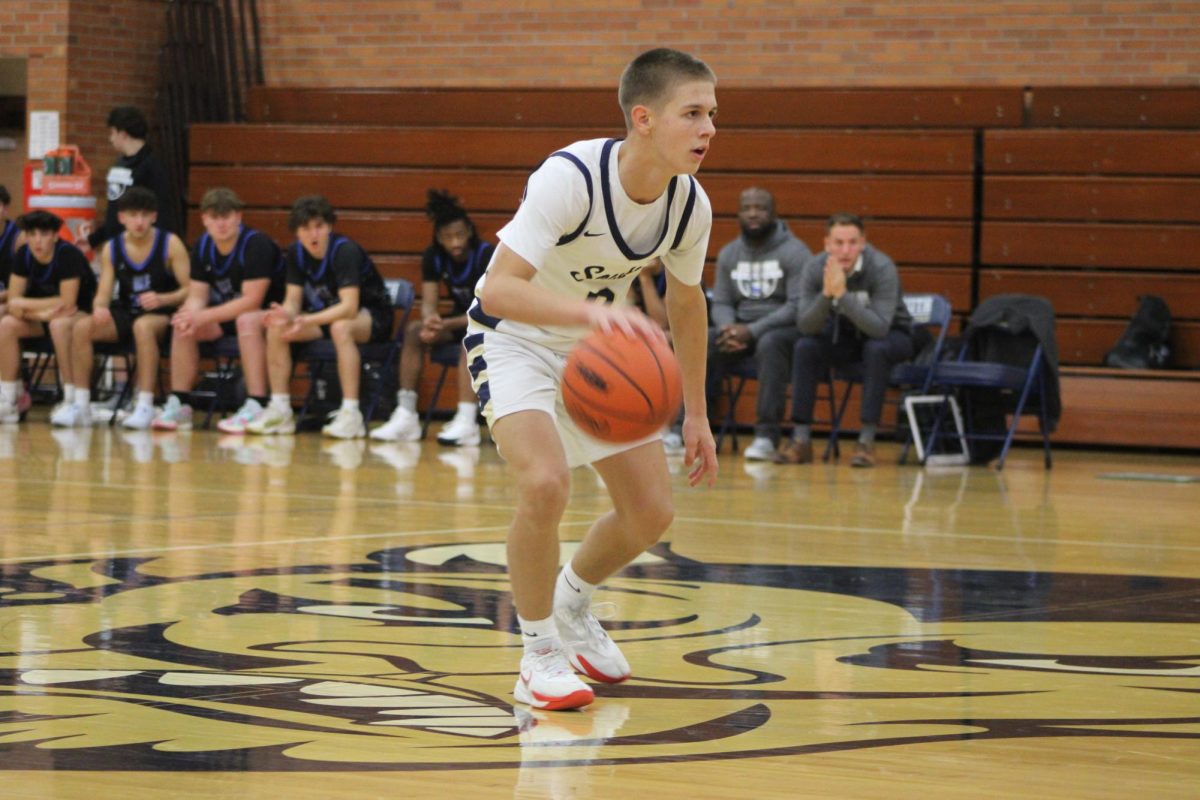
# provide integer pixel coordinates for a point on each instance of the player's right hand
(629, 319)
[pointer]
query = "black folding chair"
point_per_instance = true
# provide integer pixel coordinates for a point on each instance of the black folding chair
(225, 354)
(380, 356)
(446, 355)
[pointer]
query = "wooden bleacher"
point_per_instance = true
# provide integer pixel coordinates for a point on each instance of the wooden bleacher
(973, 191)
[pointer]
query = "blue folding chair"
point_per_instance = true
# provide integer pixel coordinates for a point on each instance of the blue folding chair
(1017, 385)
(383, 356)
(928, 311)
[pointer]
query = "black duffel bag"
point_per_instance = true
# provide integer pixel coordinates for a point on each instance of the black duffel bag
(1146, 343)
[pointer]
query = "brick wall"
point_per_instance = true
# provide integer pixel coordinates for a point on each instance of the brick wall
(113, 61)
(83, 57)
(747, 42)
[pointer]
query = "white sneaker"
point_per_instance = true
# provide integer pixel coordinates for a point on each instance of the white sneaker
(173, 416)
(9, 413)
(345, 423)
(761, 449)
(140, 419)
(462, 431)
(70, 415)
(588, 646)
(273, 419)
(404, 426)
(241, 418)
(547, 681)
(673, 444)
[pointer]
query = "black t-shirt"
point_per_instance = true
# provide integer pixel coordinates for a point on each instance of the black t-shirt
(460, 279)
(44, 280)
(345, 264)
(8, 237)
(140, 169)
(151, 275)
(253, 257)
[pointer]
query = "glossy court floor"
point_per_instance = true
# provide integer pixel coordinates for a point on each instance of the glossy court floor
(190, 615)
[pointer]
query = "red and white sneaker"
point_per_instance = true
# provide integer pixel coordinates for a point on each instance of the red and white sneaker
(547, 681)
(588, 646)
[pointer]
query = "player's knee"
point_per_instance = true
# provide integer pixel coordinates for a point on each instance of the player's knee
(653, 520)
(8, 325)
(342, 332)
(545, 490)
(412, 330)
(248, 324)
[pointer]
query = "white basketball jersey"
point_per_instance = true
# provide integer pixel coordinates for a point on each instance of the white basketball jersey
(589, 240)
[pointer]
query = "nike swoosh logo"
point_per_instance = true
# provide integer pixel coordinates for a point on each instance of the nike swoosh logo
(530, 635)
(525, 676)
(589, 233)
(573, 586)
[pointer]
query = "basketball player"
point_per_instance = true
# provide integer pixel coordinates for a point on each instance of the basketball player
(51, 288)
(457, 258)
(149, 267)
(594, 215)
(333, 290)
(10, 240)
(237, 272)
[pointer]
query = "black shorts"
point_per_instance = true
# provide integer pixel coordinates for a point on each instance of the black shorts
(381, 325)
(229, 328)
(123, 319)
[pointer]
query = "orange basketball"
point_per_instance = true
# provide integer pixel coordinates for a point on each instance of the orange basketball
(620, 388)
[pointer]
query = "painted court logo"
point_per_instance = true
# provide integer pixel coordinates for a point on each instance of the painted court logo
(407, 661)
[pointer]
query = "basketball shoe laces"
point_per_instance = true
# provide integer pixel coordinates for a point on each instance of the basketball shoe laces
(550, 661)
(588, 618)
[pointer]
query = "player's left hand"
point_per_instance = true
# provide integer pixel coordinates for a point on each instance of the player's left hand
(700, 451)
(149, 300)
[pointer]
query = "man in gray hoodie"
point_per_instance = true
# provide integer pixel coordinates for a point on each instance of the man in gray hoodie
(851, 311)
(754, 304)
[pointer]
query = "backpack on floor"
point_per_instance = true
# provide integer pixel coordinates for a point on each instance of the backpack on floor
(1146, 343)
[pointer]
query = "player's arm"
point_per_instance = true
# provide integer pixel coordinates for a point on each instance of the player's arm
(508, 293)
(18, 303)
(688, 313)
(179, 265)
(345, 308)
(254, 291)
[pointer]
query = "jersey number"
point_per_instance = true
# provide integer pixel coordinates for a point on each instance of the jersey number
(604, 295)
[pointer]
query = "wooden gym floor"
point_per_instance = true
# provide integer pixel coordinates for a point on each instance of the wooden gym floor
(192, 615)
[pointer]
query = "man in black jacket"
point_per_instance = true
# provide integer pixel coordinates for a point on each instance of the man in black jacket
(137, 166)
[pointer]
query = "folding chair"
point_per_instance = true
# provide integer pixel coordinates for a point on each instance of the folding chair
(446, 355)
(105, 353)
(928, 311)
(732, 385)
(1017, 384)
(225, 354)
(321, 353)
(34, 371)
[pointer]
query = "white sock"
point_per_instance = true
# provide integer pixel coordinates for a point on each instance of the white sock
(574, 590)
(537, 633)
(83, 398)
(467, 411)
(9, 391)
(349, 404)
(146, 399)
(69, 393)
(283, 402)
(407, 398)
